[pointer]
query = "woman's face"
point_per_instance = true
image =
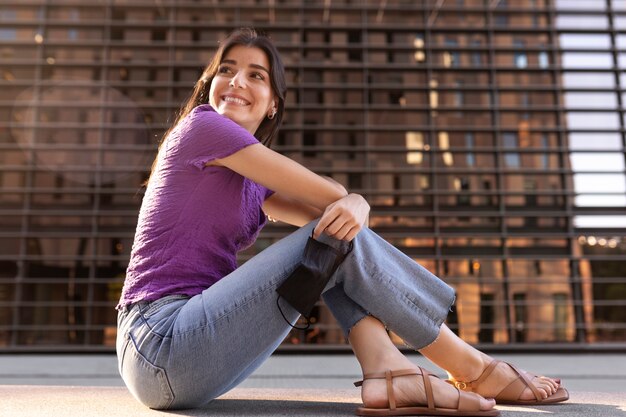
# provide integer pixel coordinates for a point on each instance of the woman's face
(241, 90)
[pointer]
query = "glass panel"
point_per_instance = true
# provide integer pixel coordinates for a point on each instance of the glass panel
(619, 22)
(605, 221)
(582, 4)
(564, 21)
(584, 41)
(586, 60)
(599, 120)
(598, 141)
(589, 80)
(590, 100)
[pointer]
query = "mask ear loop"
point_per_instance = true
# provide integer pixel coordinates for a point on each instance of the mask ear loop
(308, 322)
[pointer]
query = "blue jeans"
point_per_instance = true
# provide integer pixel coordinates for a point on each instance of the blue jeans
(180, 352)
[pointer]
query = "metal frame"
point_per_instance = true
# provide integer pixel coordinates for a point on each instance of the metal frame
(26, 192)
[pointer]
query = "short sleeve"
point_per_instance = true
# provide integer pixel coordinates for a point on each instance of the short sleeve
(207, 136)
(268, 193)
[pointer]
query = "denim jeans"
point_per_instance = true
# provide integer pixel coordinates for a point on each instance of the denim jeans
(180, 352)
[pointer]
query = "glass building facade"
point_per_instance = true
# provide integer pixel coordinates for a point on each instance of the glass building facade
(487, 135)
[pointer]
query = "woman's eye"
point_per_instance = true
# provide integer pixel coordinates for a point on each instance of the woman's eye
(258, 76)
(223, 70)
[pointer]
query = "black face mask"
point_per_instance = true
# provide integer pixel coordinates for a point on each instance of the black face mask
(304, 286)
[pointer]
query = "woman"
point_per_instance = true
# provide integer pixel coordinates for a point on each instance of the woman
(192, 325)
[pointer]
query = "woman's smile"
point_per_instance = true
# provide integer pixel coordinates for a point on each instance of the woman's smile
(235, 99)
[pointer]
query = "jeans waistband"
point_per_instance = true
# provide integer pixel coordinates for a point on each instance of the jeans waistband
(154, 304)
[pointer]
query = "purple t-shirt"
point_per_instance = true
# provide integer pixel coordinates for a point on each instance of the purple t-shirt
(194, 218)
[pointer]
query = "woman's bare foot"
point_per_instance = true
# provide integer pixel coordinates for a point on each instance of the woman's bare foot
(502, 376)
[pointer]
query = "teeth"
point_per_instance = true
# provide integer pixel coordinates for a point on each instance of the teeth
(235, 100)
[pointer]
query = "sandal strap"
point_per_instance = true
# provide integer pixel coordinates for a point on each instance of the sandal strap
(473, 385)
(383, 375)
(513, 390)
(520, 384)
(428, 389)
(390, 397)
(388, 375)
(468, 401)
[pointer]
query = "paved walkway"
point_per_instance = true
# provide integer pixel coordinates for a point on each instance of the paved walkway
(286, 385)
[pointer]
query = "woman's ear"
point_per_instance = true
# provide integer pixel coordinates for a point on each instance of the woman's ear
(273, 110)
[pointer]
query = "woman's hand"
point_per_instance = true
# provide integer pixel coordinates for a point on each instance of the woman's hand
(344, 218)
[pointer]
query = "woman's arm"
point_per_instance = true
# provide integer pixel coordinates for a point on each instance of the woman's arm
(293, 212)
(282, 175)
(343, 215)
(287, 210)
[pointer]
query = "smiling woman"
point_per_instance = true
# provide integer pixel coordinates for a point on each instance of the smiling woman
(192, 324)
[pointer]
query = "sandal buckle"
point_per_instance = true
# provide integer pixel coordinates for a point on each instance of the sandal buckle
(461, 385)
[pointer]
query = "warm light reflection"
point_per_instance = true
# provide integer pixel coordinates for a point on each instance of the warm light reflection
(434, 95)
(419, 55)
(414, 141)
(444, 144)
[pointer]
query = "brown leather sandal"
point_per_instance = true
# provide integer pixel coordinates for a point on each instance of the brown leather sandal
(511, 393)
(468, 404)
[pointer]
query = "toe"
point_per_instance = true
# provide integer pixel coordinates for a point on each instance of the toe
(487, 404)
(550, 384)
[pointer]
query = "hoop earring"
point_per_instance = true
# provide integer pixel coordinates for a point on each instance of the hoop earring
(271, 116)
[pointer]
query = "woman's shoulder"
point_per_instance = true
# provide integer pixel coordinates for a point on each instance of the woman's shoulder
(204, 129)
(203, 120)
(205, 114)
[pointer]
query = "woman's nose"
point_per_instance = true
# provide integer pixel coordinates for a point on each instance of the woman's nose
(236, 81)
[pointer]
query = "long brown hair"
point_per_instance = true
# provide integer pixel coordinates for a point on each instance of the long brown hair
(268, 129)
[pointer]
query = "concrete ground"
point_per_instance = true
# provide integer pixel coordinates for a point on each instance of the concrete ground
(286, 385)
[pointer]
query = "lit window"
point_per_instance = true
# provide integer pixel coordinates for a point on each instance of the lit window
(444, 145)
(434, 95)
(414, 145)
(451, 58)
(418, 43)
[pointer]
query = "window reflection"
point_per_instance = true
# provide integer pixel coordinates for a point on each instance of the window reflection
(564, 21)
(590, 100)
(598, 120)
(586, 41)
(582, 4)
(510, 140)
(442, 156)
(585, 60)
(588, 79)
(520, 59)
